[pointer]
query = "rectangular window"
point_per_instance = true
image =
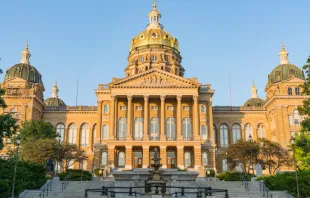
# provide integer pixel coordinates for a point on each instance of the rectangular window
(170, 108)
(122, 108)
(154, 108)
(138, 108)
(186, 108)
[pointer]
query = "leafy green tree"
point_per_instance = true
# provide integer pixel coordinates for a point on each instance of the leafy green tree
(36, 129)
(2, 102)
(8, 127)
(302, 151)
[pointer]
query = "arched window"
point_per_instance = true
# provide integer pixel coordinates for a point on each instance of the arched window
(224, 165)
(122, 128)
(248, 131)
(203, 132)
(104, 132)
(297, 91)
(60, 130)
(72, 134)
(104, 158)
(187, 158)
(202, 109)
(84, 135)
(236, 133)
(261, 131)
(204, 158)
(224, 135)
(106, 109)
(153, 58)
(154, 129)
(94, 133)
(289, 91)
(142, 59)
(121, 159)
(296, 117)
(186, 129)
(170, 128)
(138, 134)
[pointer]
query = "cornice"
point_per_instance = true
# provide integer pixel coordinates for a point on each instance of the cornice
(239, 112)
(70, 112)
(294, 97)
(155, 86)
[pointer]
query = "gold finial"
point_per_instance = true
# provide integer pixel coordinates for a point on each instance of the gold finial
(27, 45)
(154, 4)
(283, 55)
(253, 83)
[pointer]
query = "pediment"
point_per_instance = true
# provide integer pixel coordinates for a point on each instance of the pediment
(154, 77)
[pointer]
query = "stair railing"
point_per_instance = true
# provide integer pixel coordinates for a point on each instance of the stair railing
(65, 182)
(264, 189)
(245, 183)
(46, 188)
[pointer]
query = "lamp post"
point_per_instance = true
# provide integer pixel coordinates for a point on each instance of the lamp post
(14, 177)
(58, 154)
(295, 165)
(251, 161)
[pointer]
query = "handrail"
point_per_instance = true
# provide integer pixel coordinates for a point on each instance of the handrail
(244, 182)
(46, 188)
(264, 189)
(65, 182)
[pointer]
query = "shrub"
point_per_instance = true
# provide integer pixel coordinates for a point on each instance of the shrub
(76, 175)
(96, 172)
(212, 173)
(233, 176)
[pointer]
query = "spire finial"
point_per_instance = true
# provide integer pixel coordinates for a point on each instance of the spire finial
(154, 17)
(154, 4)
(55, 90)
(254, 91)
(26, 55)
(283, 56)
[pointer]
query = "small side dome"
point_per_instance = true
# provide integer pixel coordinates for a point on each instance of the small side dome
(254, 101)
(285, 70)
(54, 101)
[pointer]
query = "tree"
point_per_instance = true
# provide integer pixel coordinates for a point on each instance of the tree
(36, 129)
(8, 127)
(2, 102)
(302, 151)
(272, 155)
(243, 152)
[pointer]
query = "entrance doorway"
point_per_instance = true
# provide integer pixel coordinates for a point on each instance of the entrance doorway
(171, 158)
(137, 157)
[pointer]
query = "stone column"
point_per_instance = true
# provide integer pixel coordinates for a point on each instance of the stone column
(78, 135)
(66, 133)
(212, 159)
(146, 157)
(162, 117)
(146, 119)
(197, 158)
(210, 123)
(99, 122)
(129, 118)
(115, 117)
(180, 157)
(163, 156)
(128, 157)
(179, 118)
(195, 119)
(111, 156)
(287, 136)
(112, 118)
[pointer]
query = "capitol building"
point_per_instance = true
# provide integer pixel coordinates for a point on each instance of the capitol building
(154, 106)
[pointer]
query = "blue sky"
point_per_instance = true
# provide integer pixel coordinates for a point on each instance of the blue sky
(217, 37)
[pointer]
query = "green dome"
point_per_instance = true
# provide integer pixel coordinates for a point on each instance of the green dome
(54, 102)
(24, 71)
(254, 102)
(284, 72)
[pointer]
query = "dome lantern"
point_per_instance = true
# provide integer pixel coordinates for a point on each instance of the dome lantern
(55, 91)
(25, 55)
(254, 101)
(154, 17)
(254, 91)
(283, 56)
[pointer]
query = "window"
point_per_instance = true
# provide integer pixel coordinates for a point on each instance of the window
(170, 108)
(214, 134)
(139, 108)
(203, 132)
(186, 129)
(261, 132)
(60, 130)
(106, 109)
(121, 159)
(248, 131)
(142, 59)
(94, 133)
(122, 108)
(154, 108)
(166, 59)
(297, 91)
(224, 165)
(170, 129)
(202, 109)
(289, 91)
(296, 117)
(290, 120)
(104, 158)
(122, 128)
(142, 36)
(72, 134)
(187, 158)
(224, 135)
(153, 58)
(154, 129)
(104, 132)
(138, 131)
(84, 135)
(204, 158)
(186, 108)
(236, 133)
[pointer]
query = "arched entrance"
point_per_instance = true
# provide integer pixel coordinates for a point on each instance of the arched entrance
(171, 157)
(137, 157)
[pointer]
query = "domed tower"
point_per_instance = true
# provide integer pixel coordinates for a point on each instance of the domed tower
(254, 101)
(54, 100)
(283, 96)
(24, 89)
(154, 48)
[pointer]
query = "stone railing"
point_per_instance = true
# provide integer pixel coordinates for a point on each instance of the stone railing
(237, 108)
(71, 108)
(103, 87)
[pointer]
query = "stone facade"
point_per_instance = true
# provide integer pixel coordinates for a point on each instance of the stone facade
(154, 106)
